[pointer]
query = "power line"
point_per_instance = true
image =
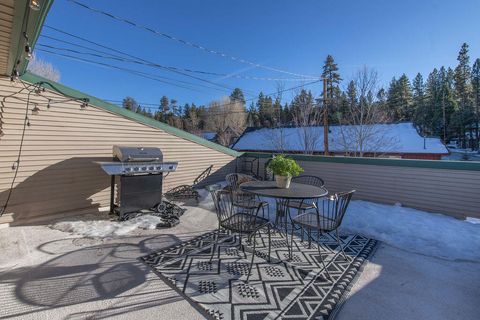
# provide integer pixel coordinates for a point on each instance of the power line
(141, 59)
(188, 43)
(107, 55)
(230, 103)
(127, 70)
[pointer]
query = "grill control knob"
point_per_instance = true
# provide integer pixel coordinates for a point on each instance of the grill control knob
(135, 169)
(159, 168)
(151, 168)
(144, 168)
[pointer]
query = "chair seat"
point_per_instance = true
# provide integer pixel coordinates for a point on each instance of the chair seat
(244, 223)
(311, 220)
(249, 204)
(300, 205)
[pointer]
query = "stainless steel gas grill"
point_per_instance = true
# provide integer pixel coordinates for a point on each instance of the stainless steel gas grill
(141, 172)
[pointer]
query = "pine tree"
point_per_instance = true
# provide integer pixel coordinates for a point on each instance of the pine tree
(464, 117)
(130, 104)
(476, 97)
(237, 95)
(422, 113)
(164, 109)
(330, 72)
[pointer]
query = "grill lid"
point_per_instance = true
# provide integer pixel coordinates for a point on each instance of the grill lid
(135, 154)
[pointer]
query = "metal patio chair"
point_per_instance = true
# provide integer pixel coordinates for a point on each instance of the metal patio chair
(186, 191)
(240, 198)
(326, 218)
(239, 220)
(307, 204)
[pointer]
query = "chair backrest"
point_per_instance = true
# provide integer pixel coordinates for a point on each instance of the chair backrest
(267, 175)
(310, 180)
(234, 180)
(202, 176)
(333, 209)
(234, 218)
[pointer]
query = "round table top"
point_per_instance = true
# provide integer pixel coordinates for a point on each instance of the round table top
(296, 191)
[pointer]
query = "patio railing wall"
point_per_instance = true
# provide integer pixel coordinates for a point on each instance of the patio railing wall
(447, 187)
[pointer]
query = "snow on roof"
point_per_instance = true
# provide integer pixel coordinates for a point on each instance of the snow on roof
(378, 138)
(209, 135)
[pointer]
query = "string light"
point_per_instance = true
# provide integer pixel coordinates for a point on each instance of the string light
(34, 5)
(35, 110)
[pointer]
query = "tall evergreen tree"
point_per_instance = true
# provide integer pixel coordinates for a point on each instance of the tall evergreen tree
(130, 104)
(476, 97)
(464, 117)
(330, 72)
(164, 109)
(237, 95)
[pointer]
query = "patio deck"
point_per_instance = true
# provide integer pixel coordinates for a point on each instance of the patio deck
(48, 275)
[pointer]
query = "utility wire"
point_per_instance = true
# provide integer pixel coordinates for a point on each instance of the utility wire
(108, 55)
(127, 70)
(233, 102)
(188, 43)
(141, 59)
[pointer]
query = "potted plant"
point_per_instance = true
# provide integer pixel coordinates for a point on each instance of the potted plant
(284, 169)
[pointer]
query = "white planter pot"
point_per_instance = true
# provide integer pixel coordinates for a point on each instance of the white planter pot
(283, 181)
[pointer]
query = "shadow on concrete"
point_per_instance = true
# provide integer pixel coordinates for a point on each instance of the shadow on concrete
(99, 272)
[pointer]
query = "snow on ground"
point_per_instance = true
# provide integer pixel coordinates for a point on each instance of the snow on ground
(414, 230)
(106, 228)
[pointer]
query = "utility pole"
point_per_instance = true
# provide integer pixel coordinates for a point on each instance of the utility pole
(325, 118)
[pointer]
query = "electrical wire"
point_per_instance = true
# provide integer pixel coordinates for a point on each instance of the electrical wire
(141, 59)
(38, 86)
(234, 102)
(107, 55)
(127, 70)
(188, 43)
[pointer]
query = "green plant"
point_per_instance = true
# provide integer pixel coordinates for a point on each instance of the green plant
(282, 166)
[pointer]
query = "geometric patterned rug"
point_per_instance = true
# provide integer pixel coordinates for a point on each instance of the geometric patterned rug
(279, 289)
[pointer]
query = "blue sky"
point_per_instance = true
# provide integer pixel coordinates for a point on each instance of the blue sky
(393, 37)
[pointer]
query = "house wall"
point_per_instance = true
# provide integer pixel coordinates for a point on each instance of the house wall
(58, 174)
(425, 185)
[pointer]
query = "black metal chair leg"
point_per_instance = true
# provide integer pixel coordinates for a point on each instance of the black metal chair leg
(269, 241)
(321, 258)
(253, 257)
(341, 246)
(215, 246)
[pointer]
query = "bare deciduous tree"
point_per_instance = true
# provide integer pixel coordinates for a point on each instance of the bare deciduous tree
(227, 118)
(306, 117)
(43, 69)
(361, 122)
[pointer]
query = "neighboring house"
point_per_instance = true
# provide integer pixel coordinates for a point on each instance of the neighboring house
(228, 136)
(400, 140)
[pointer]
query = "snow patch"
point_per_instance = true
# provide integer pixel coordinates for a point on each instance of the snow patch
(106, 228)
(426, 233)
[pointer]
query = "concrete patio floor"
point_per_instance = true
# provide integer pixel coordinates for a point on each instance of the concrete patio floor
(49, 274)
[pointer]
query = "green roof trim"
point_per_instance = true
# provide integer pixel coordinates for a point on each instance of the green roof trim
(428, 164)
(32, 78)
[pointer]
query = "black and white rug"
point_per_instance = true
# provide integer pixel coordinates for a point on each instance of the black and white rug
(297, 289)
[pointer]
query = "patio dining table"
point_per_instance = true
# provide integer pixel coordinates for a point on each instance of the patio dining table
(297, 192)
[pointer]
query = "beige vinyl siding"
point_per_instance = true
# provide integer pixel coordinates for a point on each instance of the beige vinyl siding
(6, 22)
(58, 173)
(452, 192)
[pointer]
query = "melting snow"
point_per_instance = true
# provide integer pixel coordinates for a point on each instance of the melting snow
(106, 228)
(426, 233)
(414, 230)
